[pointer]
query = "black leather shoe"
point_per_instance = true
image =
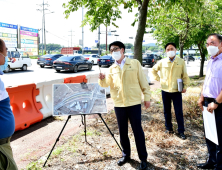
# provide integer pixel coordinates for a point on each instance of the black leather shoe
(143, 165)
(123, 160)
(206, 166)
(182, 136)
(169, 132)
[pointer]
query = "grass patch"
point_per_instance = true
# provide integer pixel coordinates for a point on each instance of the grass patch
(34, 166)
(196, 81)
(33, 57)
(156, 92)
(57, 151)
(90, 133)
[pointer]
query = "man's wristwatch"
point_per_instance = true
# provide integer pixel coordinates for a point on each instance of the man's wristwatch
(215, 101)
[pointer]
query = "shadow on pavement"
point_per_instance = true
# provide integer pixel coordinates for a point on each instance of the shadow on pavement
(69, 72)
(32, 128)
(19, 71)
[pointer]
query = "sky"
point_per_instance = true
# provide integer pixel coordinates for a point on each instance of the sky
(24, 13)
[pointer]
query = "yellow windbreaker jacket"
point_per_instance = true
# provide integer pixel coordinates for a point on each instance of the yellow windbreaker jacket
(170, 72)
(127, 84)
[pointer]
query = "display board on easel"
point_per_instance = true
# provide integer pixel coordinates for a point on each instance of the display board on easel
(78, 99)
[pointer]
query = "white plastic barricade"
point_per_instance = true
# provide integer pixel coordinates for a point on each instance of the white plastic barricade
(93, 78)
(146, 72)
(45, 96)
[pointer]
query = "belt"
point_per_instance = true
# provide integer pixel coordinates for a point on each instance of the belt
(209, 100)
(4, 140)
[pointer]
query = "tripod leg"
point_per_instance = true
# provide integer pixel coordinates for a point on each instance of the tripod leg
(57, 140)
(109, 131)
(85, 127)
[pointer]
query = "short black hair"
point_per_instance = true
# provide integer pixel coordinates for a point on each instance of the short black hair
(219, 37)
(117, 43)
(170, 43)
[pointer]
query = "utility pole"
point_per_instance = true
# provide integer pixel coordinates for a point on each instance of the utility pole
(99, 40)
(71, 36)
(43, 23)
(82, 31)
(106, 40)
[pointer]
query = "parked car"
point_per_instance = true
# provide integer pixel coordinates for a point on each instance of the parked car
(91, 57)
(205, 58)
(191, 58)
(148, 59)
(16, 59)
(130, 56)
(105, 60)
(47, 60)
(157, 57)
(72, 63)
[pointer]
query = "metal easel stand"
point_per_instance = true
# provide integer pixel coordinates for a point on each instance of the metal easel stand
(84, 122)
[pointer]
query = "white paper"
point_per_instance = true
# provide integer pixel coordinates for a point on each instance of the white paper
(210, 126)
(180, 85)
(179, 80)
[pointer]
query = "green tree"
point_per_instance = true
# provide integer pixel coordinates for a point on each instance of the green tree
(103, 46)
(186, 29)
(51, 47)
(209, 21)
(107, 12)
(128, 45)
(178, 22)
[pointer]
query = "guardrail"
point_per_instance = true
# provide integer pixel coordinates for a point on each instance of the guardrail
(31, 103)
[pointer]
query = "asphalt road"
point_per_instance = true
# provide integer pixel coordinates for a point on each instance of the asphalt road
(36, 74)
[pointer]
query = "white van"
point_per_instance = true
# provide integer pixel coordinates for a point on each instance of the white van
(17, 60)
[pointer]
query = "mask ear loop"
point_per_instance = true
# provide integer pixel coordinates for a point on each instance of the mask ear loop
(2, 55)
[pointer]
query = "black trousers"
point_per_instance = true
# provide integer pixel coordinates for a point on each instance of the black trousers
(215, 151)
(176, 97)
(133, 114)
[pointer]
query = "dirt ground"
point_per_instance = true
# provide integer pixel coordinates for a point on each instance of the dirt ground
(32, 146)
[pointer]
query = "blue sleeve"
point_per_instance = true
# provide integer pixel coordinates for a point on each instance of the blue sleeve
(7, 120)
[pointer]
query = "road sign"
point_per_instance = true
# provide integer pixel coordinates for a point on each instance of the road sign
(86, 48)
(143, 40)
(96, 41)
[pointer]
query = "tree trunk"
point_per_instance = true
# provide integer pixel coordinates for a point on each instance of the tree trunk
(181, 49)
(202, 61)
(138, 44)
(181, 52)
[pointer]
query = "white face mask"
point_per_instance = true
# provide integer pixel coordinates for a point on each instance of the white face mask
(212, 50)
(116, 55)
(171, 53)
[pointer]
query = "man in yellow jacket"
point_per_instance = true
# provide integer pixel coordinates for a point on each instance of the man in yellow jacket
(171, 69)
(127, 81)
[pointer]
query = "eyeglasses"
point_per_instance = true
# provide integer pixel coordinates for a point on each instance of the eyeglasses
(114, 49)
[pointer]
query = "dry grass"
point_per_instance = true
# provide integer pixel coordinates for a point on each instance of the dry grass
(165, 151)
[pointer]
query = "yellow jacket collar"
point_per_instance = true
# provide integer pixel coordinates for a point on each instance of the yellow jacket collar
(176, 59)
(126, 62)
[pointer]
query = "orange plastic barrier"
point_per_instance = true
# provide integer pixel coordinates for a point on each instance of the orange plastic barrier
(77, 79)
(24, 105)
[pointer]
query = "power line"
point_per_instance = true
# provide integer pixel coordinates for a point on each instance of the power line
(57, 36)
